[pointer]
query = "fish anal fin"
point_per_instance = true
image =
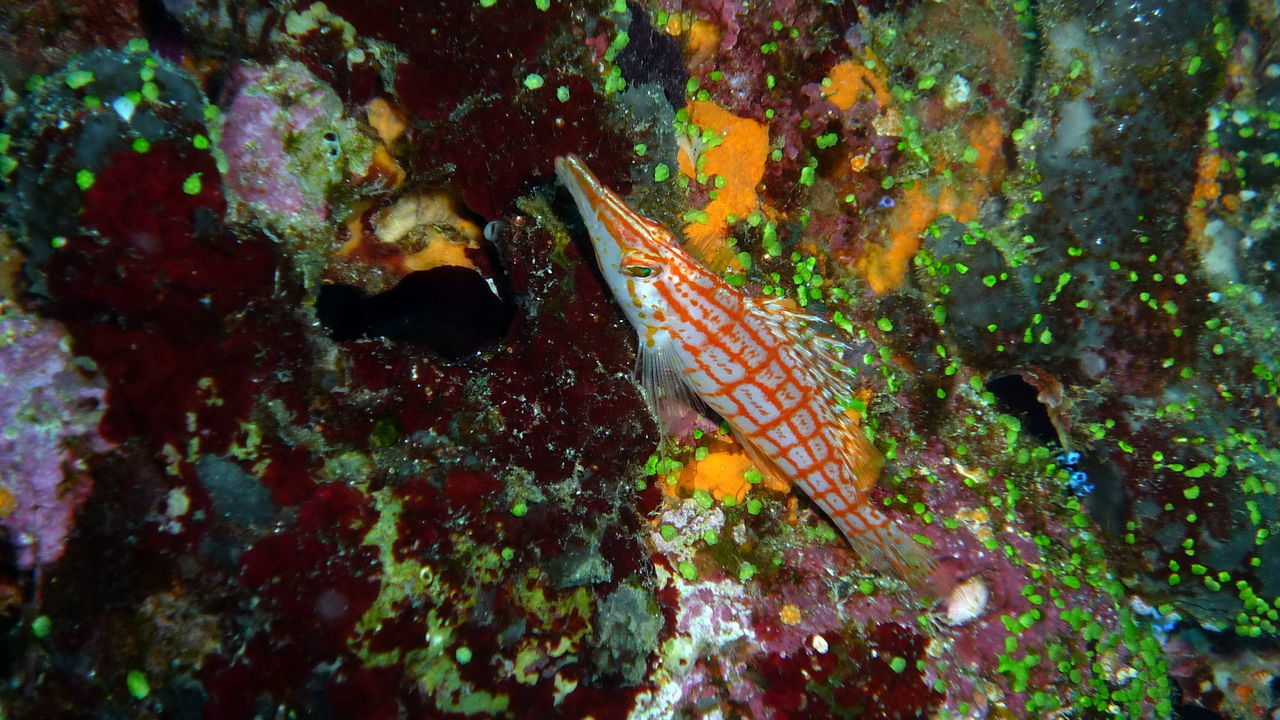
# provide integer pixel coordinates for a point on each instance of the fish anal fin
(861, 458)
(774, 478)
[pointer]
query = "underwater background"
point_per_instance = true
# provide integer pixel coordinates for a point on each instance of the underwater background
(314, 404)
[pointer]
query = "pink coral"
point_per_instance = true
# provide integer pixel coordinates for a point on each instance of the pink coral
(274, 123)
(49, 412)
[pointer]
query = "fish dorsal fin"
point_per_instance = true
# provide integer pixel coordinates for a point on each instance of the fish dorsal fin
(662, 378)
(826, 359)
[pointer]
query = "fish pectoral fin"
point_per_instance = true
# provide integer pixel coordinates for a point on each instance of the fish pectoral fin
(661, 378)
(763, 463)
(712, 252)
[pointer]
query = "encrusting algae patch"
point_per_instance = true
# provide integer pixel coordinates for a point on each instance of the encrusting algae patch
(7, 503)
(702, 37)
(736, 152)
(724, 474)
(1207, 190)
(386, 119)
(851, 81)
(884, 265)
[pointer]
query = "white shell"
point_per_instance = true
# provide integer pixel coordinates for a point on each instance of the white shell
(968, 601)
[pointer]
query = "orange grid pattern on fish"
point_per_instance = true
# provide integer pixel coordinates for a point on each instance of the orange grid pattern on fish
(743, 373)
(754, 362)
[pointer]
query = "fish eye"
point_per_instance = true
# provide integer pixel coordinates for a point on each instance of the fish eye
(639, 264)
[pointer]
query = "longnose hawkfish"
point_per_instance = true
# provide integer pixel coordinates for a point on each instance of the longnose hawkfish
(757, 362)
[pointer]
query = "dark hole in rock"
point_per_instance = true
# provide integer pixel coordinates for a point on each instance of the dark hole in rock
(450, 309)
(1017, 397)
(1196, 712)
(653, 56)
(163, 29)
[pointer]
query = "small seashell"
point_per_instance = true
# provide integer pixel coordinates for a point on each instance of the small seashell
(968, 601)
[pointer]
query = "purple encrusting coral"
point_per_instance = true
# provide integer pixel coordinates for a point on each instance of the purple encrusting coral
(49, 411)
(286, 142)
(253, 143)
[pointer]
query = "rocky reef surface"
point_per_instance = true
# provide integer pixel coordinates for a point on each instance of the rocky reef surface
(313, 403)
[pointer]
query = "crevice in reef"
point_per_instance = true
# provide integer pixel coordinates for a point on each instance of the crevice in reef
(1017, 397)
(452, 310)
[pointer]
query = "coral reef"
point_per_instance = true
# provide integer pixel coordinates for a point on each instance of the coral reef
(287, 145)
(313, 403)
(50, 411)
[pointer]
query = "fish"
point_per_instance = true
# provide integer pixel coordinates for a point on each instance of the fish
(759, 363)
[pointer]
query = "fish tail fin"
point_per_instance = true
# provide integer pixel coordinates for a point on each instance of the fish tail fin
(887, 548)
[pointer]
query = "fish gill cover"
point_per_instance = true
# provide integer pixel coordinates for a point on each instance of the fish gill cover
(314, 403)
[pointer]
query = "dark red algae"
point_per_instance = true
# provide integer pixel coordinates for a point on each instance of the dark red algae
(875, 676)
(175, 285)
